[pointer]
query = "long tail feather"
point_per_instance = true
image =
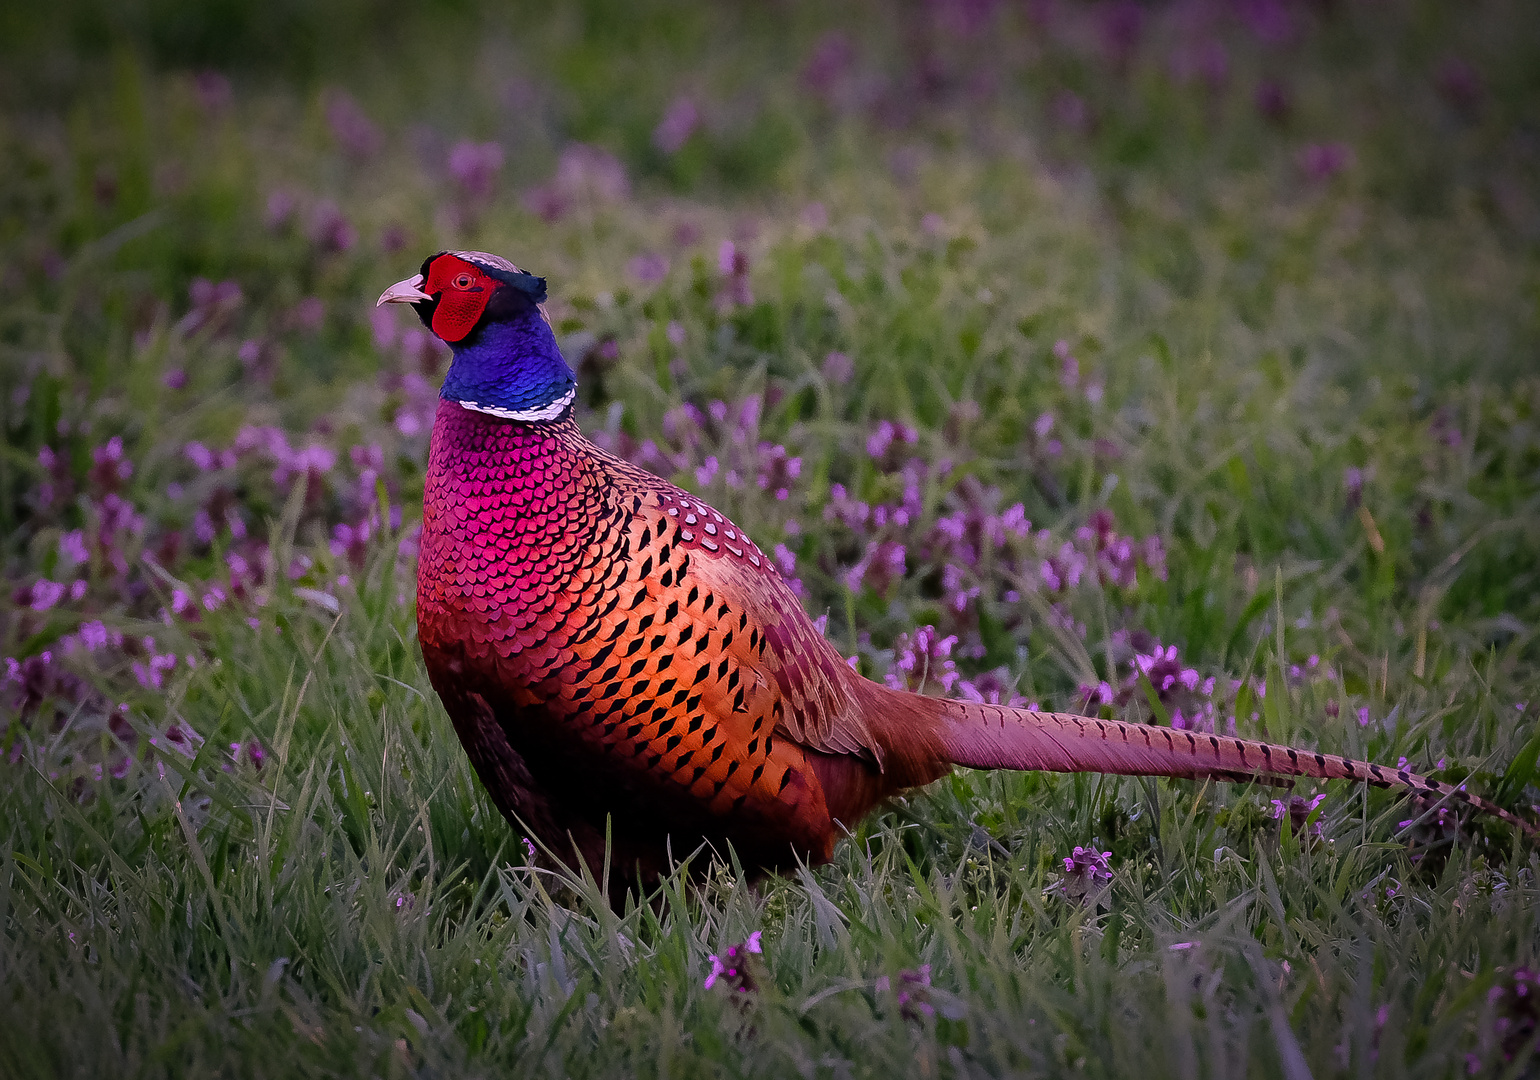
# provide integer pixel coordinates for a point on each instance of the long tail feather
(994, 737)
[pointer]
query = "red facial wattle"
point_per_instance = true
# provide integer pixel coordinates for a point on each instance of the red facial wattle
(463, 290)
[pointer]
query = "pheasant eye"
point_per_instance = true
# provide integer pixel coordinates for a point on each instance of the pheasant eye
(463, 281)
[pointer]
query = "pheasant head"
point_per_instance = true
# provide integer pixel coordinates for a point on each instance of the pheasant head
(487, 310)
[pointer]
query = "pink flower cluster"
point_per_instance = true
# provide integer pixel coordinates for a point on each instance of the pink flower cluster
(1298, 809)
(587, 177)
(731, 970)
(1086, 874)
(913, 992)
(921, 657)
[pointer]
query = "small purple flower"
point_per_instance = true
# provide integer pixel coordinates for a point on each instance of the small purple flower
(330, 230)
(1086, 874)
(832, 58)
(1460, 85)
(93, 635)
(1322, 161)
(731, 968)
(1363, 716)
(1298, 810)
(881, 567)
(733, 262)
(913, 992)
(351, 127)
(111, 467)
(476, 167)
(281, 208)
(72, 546)
(213, 92)
(922, 656)
(247, 753)
(837, 368)
(1122, 27)
(648, 268)
(679, 122)
(585, 176)
(1069, 367)
(45, 594)
(888, 435)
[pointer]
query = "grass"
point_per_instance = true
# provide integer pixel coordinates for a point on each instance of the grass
(1302, 390)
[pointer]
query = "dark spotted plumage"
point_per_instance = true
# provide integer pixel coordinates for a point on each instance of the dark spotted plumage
(617, 655)
(611, 647)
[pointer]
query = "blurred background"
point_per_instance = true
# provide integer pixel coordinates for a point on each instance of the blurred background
(1170, 360)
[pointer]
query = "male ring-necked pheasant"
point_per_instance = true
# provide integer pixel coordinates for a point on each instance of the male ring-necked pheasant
(614, 652)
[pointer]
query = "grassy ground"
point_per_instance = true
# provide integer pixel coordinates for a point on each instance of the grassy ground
(1239, 307)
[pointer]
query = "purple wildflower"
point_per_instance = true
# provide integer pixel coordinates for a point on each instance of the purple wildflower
(648, 268)
(679, 122)
(72, 546)
(1322, 161)
(732, 969)
(992, 688)
(733, 262)
(913, 992)
(1086, 874)
(586, 176)
(330, 230)
(93, 635)
(212, 90)
(837, 367)
(1298, 810)
(921, 657)
(476, 167)
(1459, 84)
(351, 127)
(249, 753)
(1122, 25)
(111, 468)
(881, 567)
(282, 205)
(832, 58)
(885, 437)
(45, 594)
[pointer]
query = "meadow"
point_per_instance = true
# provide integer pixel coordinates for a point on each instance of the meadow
(1175, 362)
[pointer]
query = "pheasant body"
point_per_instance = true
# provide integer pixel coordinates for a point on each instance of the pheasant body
(611, 647)
(621, 661)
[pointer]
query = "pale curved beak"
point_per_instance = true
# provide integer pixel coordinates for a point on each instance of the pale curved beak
(404, 292)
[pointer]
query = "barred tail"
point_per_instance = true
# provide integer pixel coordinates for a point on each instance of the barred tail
(994, 737)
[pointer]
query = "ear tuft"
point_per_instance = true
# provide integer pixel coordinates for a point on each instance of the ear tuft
(528, 284)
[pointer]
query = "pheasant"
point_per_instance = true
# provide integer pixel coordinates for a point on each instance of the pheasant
(620, 660)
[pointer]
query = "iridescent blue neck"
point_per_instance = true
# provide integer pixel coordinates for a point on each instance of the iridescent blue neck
(511, 369)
